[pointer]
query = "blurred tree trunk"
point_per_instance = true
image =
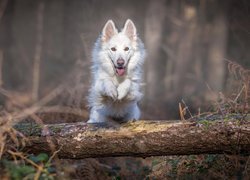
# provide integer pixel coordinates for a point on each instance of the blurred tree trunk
(53, 45)
(38, 52)
(154, 27)
(195, 46)
(184, 49)
(216, 55)
(21, 34)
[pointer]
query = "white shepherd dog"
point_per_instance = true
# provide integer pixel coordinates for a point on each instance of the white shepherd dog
(118, 58)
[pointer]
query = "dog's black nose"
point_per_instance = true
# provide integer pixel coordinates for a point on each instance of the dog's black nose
(120, 62)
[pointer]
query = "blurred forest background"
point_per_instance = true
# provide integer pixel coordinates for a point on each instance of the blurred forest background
(45, 51)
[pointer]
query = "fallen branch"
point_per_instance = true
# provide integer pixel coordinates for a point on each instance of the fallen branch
(141, 138)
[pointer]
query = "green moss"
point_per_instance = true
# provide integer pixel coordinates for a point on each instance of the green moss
(206, 123)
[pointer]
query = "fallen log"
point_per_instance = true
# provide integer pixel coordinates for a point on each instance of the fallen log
(141, 138)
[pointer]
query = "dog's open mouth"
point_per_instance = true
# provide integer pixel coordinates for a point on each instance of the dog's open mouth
(120, 71)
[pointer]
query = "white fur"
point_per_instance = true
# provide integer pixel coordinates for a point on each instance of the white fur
(110, 95)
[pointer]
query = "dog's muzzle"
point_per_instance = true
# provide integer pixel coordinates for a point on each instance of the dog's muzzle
(120, 68)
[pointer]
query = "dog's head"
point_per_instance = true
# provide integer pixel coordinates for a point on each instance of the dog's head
(119, 46)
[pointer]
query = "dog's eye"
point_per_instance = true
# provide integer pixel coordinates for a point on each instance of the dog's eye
(126, 48)
(113, 49)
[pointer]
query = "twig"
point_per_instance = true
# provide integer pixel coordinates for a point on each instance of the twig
(19, 154)
(181, 112)
(186, 107)
(238, 95)
(54, 154)
(39, 171)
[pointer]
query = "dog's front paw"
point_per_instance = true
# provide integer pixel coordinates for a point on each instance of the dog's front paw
(109, 90)
(122, 92)
(112, 92)
(123, 89)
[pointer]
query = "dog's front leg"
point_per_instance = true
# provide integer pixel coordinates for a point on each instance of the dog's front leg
(107, 88)
(123, 89)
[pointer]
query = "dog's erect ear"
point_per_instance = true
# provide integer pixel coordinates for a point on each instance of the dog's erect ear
(130, 30)
(108, 31)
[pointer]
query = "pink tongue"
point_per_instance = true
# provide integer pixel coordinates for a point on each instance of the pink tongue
(120, 72)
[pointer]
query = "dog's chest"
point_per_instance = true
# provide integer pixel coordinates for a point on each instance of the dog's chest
(118, 80)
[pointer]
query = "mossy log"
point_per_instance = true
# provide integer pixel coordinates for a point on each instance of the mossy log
(141, 138)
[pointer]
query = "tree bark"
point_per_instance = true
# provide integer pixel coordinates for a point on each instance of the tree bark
(141, 138)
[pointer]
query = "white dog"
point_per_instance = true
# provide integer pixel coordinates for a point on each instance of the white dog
(118, 58)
